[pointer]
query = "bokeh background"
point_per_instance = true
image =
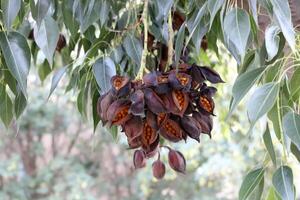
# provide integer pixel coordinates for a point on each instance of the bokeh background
(51, 152)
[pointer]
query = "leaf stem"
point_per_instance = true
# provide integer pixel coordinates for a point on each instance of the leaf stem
(145, 50)
(170, 40)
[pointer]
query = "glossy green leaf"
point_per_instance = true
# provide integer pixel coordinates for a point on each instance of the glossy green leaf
(251, 181)
(114, 132)
(39, 9)
(46, 37)
(272, 40)
(256, 194)
(96, 117)
(237, 29)
(242, 85)
(253, 8)
(133, 48)
(104, 11)
(10, 9)
(214, 6)
(282, 14)
(291, 127)
(70, 22)
(269, 145)
(104, 69)
(20, 104)
(295, 151)
(179, 43)
(283, 182)
(44, 70)
(17, 56)
(6, 107)
(56, 78)
(274, 116)
(272, 194)
(294, 84)
(262, 101)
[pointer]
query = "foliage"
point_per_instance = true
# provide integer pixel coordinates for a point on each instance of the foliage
(105, 37)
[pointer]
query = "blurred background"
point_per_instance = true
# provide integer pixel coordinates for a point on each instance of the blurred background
(51, 152)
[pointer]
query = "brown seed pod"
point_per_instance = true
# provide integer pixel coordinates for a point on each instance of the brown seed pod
(181, 100)
(139, 159)
(171, 130)
(177, 161)
(151, 150)
(158, 169)
(118, 112)
(120, 85)
(191, 127)
(149, 135)
(205, 121)
(61, 43)
(133, 129)
(137, 103)
(211, 75)
(154, 102)
(103, 103)
(180, 81)
(206, 103)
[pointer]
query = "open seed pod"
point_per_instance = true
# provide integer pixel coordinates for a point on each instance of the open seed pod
(172, 106)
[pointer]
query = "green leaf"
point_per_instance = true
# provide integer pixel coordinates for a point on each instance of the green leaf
(133, 48)
(295, 151)
(291, 127)
(269, 145)
(6, 107)
(46, 37)
(283, 182)
(237, 29)
(104, 11)
(69, 20)
(250, 182)
(114, 132)
(96, 117)
(17, 56)
(256, 194)
(39, 10)
(86, 13)
(44, 70)
(253, 8)
(242, 85)
(214, 6)
(20, 104)
(162, 8)
(273, 115)
(10, 9)
(104, 69)
(262, 101)
(282, 14)
(294, 84)
(272, 195)
(56, 78)
(272, 40)
(179, 43)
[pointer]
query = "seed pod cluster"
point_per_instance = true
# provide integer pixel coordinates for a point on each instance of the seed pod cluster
(173, 105)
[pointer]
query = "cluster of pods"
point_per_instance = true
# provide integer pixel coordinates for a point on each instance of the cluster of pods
(172, 105)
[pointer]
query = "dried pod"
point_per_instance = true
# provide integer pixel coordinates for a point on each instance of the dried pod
(120, 85)
(180, 81)
(196, 74)
(61, 43)
(207, 90)
(211, 75)
(161, 118)
(103, 103)
(205, 121)
(158, 169)
(163, 85)
(152, 149)
(133, 129)
(206, 103)
(118, 112)
(139, 159)
(149, 135)
(171, 130)
(150, 79)
(191, 127)
(177, 161)
(181, 100)
(154, 102)
(137, 103)
(178, 20)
